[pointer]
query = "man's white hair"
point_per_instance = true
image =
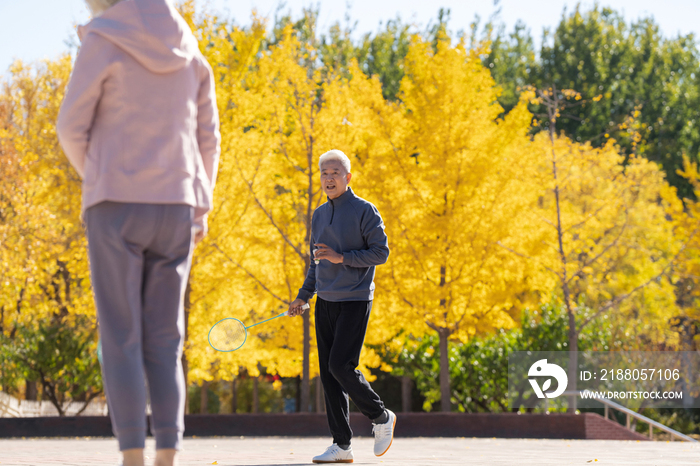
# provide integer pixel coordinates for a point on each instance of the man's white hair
(338, 155)
(97, 7)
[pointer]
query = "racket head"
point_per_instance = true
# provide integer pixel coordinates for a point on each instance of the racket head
(227, 335)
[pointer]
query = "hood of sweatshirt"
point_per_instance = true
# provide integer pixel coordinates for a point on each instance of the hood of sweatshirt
(151, 31)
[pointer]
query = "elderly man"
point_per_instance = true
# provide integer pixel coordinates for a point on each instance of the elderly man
(347, 243)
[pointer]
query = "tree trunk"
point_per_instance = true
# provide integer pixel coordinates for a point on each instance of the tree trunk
(573, 362)
(204, 397)
(319, 395)
(305, 385)
(185, 370)
(30, 391)
(552, 111)
(2, 334)
(406, 394)
(256, 399)
(298, 398)
(50, 391)
(183, 359)
(445, 404)
(687, 369)
(444, 334)
(234, 398)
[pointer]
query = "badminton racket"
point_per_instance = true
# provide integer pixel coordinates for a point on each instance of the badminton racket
(230, 334)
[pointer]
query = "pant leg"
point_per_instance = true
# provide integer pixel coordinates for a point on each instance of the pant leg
(336, 398)
(167, 265)
(350, 330)
(117, 236)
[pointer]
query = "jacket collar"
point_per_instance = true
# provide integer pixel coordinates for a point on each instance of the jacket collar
(343, 198)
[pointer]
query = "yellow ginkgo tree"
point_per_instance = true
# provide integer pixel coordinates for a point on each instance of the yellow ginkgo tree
(451, 179)
(45, 276)
(607, 223)
(278, 114)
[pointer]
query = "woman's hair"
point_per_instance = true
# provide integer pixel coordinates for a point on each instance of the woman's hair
(335, 154)
(97, 7)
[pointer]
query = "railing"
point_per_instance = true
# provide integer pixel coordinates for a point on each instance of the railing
(629, 413)
(9, 406)
(12, 407)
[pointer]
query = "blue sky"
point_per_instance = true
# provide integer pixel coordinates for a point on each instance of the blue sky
(34, 29)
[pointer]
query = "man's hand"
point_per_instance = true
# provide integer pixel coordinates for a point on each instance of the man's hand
(324, 252)
(295, 308)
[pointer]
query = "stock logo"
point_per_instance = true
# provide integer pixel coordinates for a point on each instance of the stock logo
(542, 369)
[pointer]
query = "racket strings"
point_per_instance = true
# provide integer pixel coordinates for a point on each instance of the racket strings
(228, 335)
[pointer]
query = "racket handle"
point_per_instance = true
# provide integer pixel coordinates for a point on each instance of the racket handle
(305, 307)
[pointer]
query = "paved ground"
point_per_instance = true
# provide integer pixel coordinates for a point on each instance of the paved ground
(278, 451)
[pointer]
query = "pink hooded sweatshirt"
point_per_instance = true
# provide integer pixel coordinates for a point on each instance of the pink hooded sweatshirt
(139, 120)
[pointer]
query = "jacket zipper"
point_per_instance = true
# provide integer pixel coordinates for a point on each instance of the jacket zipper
(332, 211)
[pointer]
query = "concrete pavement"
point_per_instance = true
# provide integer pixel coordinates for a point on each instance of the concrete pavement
(282, 451)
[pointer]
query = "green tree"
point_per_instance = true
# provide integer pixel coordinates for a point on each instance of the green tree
(380, 54)
(620, 69)
(633, 67)
(479, 367)
(512, 62)
(60, 353)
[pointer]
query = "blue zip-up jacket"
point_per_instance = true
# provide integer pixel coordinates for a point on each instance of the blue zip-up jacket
(353, 227)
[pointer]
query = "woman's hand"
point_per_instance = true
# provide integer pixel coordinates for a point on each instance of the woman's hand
(199, 236)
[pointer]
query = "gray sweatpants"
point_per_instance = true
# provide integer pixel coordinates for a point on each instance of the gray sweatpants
(140, 256)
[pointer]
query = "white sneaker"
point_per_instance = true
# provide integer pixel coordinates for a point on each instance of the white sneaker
(335, 454)
(384, 434)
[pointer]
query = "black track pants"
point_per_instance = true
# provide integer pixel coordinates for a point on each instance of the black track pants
(340, 332)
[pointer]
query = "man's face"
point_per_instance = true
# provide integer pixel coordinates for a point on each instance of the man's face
(334, 178)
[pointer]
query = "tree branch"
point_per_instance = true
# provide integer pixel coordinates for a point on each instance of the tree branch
(525, 257)
(619, 299)
(268, 214)
(250, 275)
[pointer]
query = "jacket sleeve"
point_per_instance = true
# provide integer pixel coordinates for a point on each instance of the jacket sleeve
(308, 289)
(208, 134)
(82, 96)
(377, 252)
